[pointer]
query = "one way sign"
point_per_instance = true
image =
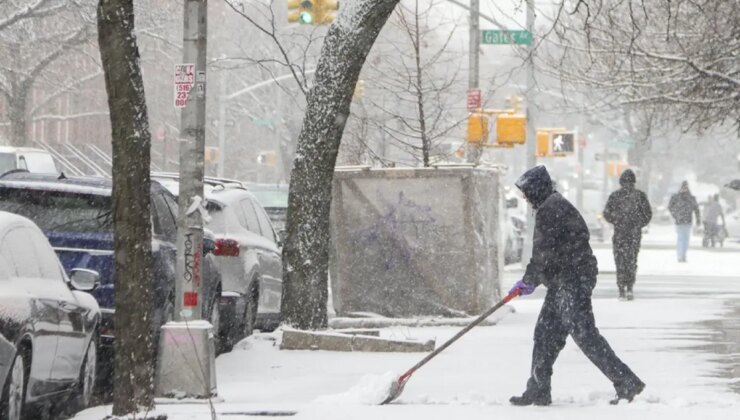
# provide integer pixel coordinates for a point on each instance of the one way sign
(562, 143)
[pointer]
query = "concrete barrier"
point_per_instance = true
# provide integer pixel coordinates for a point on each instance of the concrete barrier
(333, 341)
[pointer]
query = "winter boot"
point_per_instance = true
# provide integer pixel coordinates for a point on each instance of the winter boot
(628, 391)
(629, 295)
(531, 398)
(622, 294)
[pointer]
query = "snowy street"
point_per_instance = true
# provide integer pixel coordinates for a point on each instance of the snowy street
(680, 335)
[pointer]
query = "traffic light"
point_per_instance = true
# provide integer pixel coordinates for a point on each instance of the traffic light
(301, 11)
(511, 129)
(312, 12)
(515, 103)
(267, 158)
(477, 129)
(211, 154)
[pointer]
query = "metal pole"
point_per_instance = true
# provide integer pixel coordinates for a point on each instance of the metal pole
(188, 292)
(605, 186)
(473, 150)
(531, 146)
(581, 171)
(222, 128)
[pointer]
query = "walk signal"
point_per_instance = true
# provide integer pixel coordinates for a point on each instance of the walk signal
(267, 158)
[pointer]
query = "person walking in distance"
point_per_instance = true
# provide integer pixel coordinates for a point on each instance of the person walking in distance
(628, 209)
(712, 213)
(681, 206)
(563, 261)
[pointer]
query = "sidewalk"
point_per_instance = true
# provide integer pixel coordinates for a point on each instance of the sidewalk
(665, 336)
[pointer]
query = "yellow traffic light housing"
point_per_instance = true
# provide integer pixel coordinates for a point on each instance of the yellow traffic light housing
(511, 129)
(359, 92)
(211, 154)
(477, 129)
(301, 11)
(267, 158)
(326, 11)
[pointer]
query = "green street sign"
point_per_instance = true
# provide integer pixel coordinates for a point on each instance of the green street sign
(505, 37)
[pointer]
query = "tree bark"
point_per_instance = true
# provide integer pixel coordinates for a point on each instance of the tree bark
(18, 120)
(134, 346)
(306, 252)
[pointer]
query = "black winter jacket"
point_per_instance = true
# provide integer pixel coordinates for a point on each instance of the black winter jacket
(561, 253)
(681, 206)
(628, 209)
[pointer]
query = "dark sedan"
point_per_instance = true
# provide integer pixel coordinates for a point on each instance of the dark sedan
(47, 324)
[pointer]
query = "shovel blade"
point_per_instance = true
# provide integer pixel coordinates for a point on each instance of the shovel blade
(395, 391)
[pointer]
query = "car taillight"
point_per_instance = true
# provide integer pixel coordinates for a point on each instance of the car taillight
(226, 248)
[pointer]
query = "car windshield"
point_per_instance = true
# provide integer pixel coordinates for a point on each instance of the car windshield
(271, 197)
(60, 212)
(7, 162)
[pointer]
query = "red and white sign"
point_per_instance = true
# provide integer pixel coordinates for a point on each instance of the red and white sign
(474, 99)
(184, 80)
(582, 142)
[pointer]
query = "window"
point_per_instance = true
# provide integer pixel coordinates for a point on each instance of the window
(265, 225)
(7, 162)
(19, 247)
(250, 216)
(60, 212)
(41, 163)
(164, 222)
(47, 261)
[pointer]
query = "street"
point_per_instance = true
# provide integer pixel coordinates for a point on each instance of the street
(681, 335)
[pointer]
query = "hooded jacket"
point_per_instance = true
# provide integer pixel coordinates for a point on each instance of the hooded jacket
(561, 253)
(628, 208)
(682, 205)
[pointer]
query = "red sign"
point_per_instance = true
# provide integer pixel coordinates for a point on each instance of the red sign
(184, 79)
(190, 299)
(474, 99)
(582, 142)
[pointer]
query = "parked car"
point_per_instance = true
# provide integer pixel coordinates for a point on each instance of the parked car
(26, 159)
(248, 257)
(274, 199)
(48, 325)
(76, 216)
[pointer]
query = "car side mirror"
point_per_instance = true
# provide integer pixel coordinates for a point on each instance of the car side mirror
(512, 203)
(84, 280)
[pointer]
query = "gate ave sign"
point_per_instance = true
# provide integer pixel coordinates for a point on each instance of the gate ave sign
(184, 80)
(506, 37)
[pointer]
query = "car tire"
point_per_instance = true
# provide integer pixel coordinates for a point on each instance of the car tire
(250, 311)
(13, 398)
(85, 390)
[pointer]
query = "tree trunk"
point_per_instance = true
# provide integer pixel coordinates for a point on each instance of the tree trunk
(306, 253)
(18, 119)
(134, 346)
(425, 143)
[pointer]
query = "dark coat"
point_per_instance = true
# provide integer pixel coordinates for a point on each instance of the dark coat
(628, 208)
(681, 206)
(561, 253)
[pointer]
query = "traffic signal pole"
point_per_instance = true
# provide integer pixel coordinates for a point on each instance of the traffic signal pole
(531, 144)
(186, 362)
(474, 150)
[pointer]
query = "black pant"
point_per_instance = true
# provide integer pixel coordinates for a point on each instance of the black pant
(567, 311)
(626, 246)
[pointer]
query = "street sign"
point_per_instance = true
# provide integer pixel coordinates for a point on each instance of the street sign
(562, 143)
(505, 37)
(474, 99)
(184, 80)
(582, 143)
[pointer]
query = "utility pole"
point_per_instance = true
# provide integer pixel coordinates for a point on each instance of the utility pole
(473, 151)
(222, 128)
(186, 359)
(531, 145)
(581, 171)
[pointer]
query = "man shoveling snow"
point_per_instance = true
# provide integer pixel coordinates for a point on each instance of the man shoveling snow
(563, 261)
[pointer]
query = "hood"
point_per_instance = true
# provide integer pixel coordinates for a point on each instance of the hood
(627, 179)
(536, 185)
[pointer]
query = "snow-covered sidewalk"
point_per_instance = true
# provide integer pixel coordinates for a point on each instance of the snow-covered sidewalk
(657, 336)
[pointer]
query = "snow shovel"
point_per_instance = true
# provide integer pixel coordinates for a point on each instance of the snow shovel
(397, 386)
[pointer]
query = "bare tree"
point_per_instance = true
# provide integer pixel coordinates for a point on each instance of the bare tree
(416, 83)
(134, 347)
(306, 252)
(32, 38)
(679, 55)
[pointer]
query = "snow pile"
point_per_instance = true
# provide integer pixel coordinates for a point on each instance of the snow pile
(370, 390)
